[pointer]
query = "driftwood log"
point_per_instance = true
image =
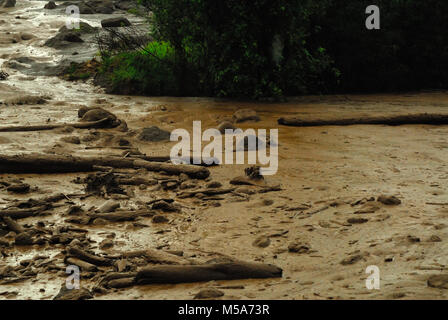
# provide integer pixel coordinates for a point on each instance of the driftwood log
(103, 123)
(38, 163)
(88, 257)
(393, 120)
(157, 256)
(206, 272)
(22, 213)
(119, 216)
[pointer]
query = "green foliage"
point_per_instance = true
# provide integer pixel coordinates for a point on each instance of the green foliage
(229, 45)
(273, 48)
(147, 71)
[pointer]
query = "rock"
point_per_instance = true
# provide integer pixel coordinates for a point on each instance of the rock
(8, 3)
(253, 172)
(71, 139)
(95, 114)
(84, 28)
(101, 6)
(26, 100)
(115, 22)
(3, 75)
(225, 125)
(214, 184)
(106, 244)
(245, 115)
(24, 239)
(63, 39)
(435, 238)
(109, 206)
(209, 294)
(262, 242)
(164, 206)
(75, 210)
(19, 188)
(357, 220)
(93, 6)
(389, 200)
(73, 294)
(154, 134)
(50, 5)
(413, 239)
(159, 219)
(438, 281)
(26, 36)
(298, 247)
(124, 5)
(351, 260)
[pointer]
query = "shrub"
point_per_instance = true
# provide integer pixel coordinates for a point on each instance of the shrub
(146, 71)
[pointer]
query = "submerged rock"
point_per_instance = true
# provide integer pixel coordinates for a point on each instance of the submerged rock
(209, 294)
(245, 115)
(154, 134)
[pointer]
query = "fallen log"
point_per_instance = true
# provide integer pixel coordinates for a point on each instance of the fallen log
(103, 123)
(157, 256)
(38, 163)
(176, 169)
(393, 120)
(22, 213)
(85, 266)
(206, 272)
(88, 257)
(119, 216)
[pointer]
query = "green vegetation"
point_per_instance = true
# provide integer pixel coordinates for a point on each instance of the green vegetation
(272, 48)
(147, 71)
(76, 71)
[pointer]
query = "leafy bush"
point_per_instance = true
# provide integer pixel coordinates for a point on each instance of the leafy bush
(272, 48)
(234, 48)
(146, 71)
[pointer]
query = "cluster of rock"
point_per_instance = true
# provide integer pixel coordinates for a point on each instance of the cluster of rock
(93, 6)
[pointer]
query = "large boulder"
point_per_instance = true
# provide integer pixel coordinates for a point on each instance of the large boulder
(154, 134)
(115, 22)
(62, 39)
(125, 4)
(66, 36)
(101, 6)
(84, 28)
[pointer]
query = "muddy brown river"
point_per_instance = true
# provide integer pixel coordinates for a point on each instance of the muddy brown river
(323, 228)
